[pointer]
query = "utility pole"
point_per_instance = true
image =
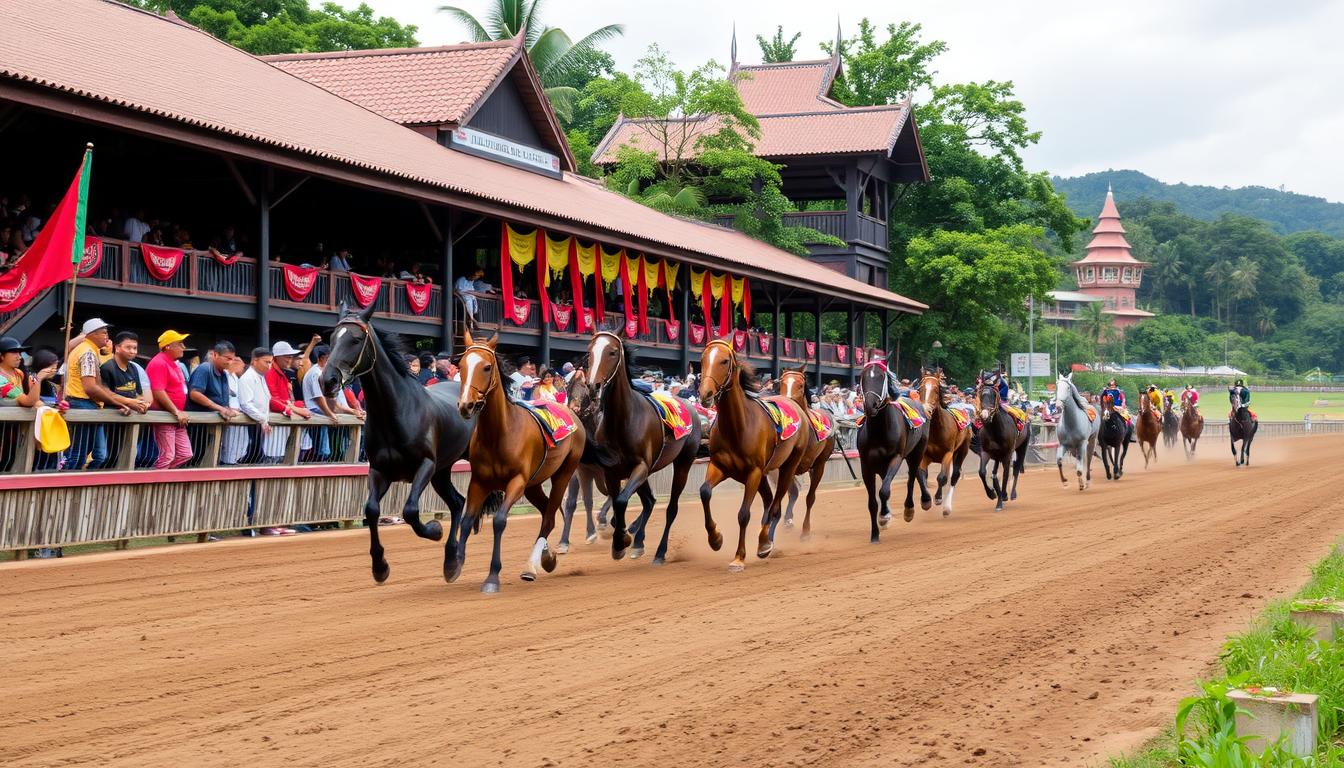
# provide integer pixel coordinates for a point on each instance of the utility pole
(1031, 344)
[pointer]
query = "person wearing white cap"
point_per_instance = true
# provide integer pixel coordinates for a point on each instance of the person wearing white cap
(84, 390)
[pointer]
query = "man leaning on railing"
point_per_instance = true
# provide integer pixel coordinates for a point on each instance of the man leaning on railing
(169, 387)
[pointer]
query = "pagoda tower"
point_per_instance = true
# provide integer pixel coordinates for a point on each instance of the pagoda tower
(1109, 271)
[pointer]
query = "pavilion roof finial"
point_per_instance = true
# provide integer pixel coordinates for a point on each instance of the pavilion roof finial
(1108, 187)
(732, 52)
(836, 53)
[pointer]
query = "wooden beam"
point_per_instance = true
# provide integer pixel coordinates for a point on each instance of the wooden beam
(433, 225)
(237, 175)
(302, 180)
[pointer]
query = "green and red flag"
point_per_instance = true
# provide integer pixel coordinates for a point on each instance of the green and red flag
(58, 248)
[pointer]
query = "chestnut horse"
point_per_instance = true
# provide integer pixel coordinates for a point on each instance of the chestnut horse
(632, 434)
(744, 445)
(793, 384)
(885, 439)
(1001, 440)
(948, 443)
(509, 453)
(1192, 426)
(1147, 428)
(580, 399)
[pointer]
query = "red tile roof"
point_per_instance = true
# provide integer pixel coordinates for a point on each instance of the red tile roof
(796, 86)
(412, 86)
(180, 74)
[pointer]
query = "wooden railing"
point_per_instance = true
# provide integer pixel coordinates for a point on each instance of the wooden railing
(870, 231)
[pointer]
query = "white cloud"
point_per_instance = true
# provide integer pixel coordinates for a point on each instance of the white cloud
(1229, 92)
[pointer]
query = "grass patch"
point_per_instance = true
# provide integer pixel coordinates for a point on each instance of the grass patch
(1273, 653)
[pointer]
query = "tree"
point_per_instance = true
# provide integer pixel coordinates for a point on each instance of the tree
(776, 50)
(288, 26)
(554, 54)
(1321, 255)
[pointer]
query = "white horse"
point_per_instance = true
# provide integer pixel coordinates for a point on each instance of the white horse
(1076, 433)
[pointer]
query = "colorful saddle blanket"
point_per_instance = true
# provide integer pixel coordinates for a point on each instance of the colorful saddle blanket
(822, 423)
(961, 417)
(1232, 415)
(675, 413)
(556, 421)
(784, 413)
(914, 412)
(1091, 413)
(1019, 415)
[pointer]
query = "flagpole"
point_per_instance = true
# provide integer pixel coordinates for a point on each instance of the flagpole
(70, 307)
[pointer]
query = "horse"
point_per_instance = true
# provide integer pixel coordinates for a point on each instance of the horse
(884, 440)
(412, 434)
(1076, 433)
(793, 384)
(1001, 440)
(1113, 439)
(1147, 427)
(579, 397)
(1241, 426)
(1171, 424)
(510, 453)
(1192, 426)
(632, 433)
(949, 440)
(746, 445)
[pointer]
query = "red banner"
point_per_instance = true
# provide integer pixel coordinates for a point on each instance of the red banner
(93, 256)
(740, 341)
(673, 329)
(811, 347)
(788, 347)
(697, 333)
(364, 289)
(763, 341)
(162, 263)
(299, 281)
(632, 327)
(228, 259)
(52, 256)
(588, 319)
(417, 294)
(561, 314)
(518, 312)
(858, 355)
(841, 352)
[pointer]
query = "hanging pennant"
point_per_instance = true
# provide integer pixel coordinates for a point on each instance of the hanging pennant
(697, 282)
(742, 296)
(586, 256)
(631, 327)
(299, 281)
(697, 333)
(763, 341)
(627, 287)
(417, 295)
(670, 270)
(93, 256)
(811, 347)
(522, 249)
(561, 314)
(673, 329)
(611, 266)
(514, 249)
(364, 290)
(725, 314)
(653, 274)
(788, 347)
(543, 277)
(557, 258)
(588, 318)
(740, 341)
(643, 290)
(162, 263)
(858, 355)
(716, 286)
(841, 352)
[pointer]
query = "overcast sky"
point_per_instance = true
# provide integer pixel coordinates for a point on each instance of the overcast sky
(1220, 92)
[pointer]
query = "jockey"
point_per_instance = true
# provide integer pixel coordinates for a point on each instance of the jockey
(1155, 398)
(1241, 391)
(1117, 394)
(1190, 398)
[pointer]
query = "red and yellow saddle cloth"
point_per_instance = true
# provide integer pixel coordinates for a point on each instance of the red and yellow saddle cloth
(784, 413)
(914, 412)
(1232, 415)
(556, 421)
(675, 413)
(822, 425)
(962, 418)
(1019, 415)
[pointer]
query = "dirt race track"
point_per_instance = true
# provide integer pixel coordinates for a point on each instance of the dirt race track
(1060, 631)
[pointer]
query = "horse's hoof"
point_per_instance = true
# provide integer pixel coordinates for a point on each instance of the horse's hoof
(1013, 497)
(617, 554)
(591, 538)
(527, 576)
(998, 508)
(658, 561)
(451, 571)
(736, 567)
(636, 553)
(990, 495)
(806, 537)
(605, 530)
(548, 561)
(874, 540)
(884, 521)
(490, 588)
(381, 572)
(562, 548)
(910, 513)
(716, 541)
(924, 505)
(765, 552)
(433, 531)
(788, 522)
(947, 512)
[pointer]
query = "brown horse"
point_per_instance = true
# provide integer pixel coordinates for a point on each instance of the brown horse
(744, 445)
(949, 440)
(1192, 426)
(509, 453)
(1147, 429)
(581, 400)
(637, 444)
(793, 384)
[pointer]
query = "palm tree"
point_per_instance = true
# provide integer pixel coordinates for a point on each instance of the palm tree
(1217, 275)
(1264, 321)
(552, 51)
(1241, 282)
(1093, 322)
(1167, 272)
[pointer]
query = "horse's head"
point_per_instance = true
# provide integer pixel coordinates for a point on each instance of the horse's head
(606, 356)
(793, 382)
(579, 395)
(353, 349)
(1234, 397)
(1107, 404)
(931, 386)
(479, 374)
(718, 369)
(875, 386)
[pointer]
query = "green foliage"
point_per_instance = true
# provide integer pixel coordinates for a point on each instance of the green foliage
(288, 26)
(777, 50)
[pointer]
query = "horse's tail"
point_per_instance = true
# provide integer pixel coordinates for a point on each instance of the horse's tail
(594, 454)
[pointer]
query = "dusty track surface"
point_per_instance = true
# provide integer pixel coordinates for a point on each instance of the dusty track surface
(1057, 632)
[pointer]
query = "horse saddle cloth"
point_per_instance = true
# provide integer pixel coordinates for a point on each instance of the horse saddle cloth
(674, 412)
(913, 411)
(783, 412)
(1232, 415)
(1091, 413)
(961, 415)
(1019, 415)
(556, 421)
(1125, 414)
(822, 424)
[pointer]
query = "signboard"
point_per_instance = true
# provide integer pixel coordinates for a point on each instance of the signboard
(1040, 364)
(494, 147)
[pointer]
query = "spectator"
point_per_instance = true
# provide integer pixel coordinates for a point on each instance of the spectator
(523, 380)
(254, 400)
(466, 287)
(282, 389)
(208, 387)
(444, 370)
(567, 372)
(154, 236)
(136, 228)
(84, 390)
(234, 445)
(169, 389)
(16, 386)
(341, 261)
(545, 391)
(226, 244)
(303, 363)
(413, 365)
(182, 238)
(121, 379)
(426, 368)
(316, 402)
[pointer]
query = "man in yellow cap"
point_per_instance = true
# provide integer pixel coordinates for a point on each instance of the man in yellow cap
(169, 389)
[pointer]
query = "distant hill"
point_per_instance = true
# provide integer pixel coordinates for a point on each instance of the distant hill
(1286, 211)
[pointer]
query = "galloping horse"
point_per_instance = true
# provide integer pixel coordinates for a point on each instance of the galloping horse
(579, 397)
(1001, 440)
(746, 444)
(1113, 439)
(1241, 426)
(1147, 428)
(631, 431)
(885, 439)
(793, 383)
(1077, 431)
(1192, 426)
(412, 434)
(510, 453)
(949, 439)
(1171, 425)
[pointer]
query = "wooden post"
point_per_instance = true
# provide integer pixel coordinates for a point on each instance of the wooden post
(774, 331)
(684, 283)
(886, 334)
(213, 444)
(293, 440)
(352, 449)
(817, 333)
(849, 328)
(263, 275)
(130, 440)
(446, 295)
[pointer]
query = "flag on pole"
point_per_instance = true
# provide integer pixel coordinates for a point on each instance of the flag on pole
(58, 248)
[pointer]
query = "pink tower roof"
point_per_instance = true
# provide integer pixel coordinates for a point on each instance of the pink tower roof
(1108, 244)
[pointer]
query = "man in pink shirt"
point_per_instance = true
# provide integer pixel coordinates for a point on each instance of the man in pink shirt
(169, 389)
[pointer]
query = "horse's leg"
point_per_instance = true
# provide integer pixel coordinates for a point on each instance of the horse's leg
(501, 521)
(774, 508)
(984, 480)
(680, 470)
(818, 469)
(944, 471)
(713, 476)
(537, 498)
(793, 499)
(621, 539)
(1059, 461)
(1122, 452)
(910, 480)
(476, 496)
(925, 499)
(585, 477)
(752, 483)
(646, 500)
(884, 490)
(1002, 468)
(411, 511)
(567, 512)
(870, 485)
(1019, 464)
(443, 485)
(378, 486)
(767, 493)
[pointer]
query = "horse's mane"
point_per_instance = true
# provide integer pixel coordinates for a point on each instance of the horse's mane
(634, 367)
(396, 350)
(746, 377)
(1075, 395)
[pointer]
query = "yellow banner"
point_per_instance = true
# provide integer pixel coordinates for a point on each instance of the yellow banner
(557, 258)
(522, 248)
(697, 282)
(587, 258)
(633, 265)
(651, 271)
(738, 283)
(716, 286)
(670, 269)
(611, 266)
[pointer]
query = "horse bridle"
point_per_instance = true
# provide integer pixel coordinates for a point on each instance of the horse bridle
(886, 385)
(620, 363)
(494, 376)
(998, 399)
(347, 377)
(732, 367)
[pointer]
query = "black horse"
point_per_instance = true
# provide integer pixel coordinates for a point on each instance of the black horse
(1002, 444)
(412, 434)
(580, 398)
(1241, 426)
(1113, 439)
(1171, 424)
(884, 440)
